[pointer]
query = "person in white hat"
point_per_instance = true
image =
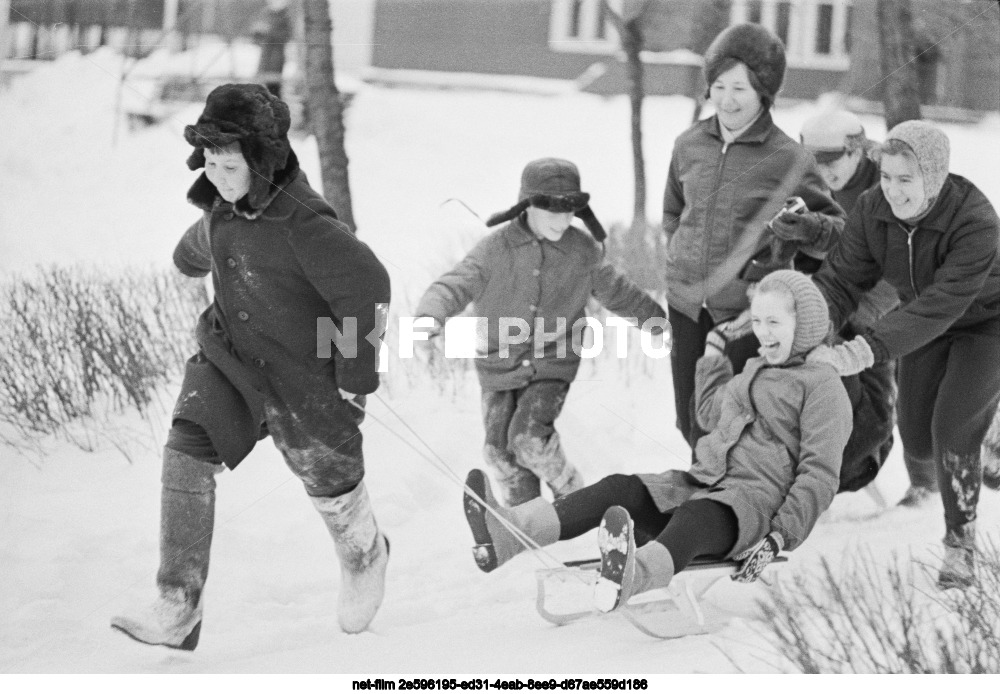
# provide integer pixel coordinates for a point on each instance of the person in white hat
(837, 139)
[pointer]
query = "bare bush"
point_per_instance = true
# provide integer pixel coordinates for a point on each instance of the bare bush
(873, 617)
(77, 343)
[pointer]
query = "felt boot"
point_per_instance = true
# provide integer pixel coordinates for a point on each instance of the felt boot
(187, 513)
(958, 567)
(363, 552)
(495, 544)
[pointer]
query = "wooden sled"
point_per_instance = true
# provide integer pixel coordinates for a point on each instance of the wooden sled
(664, 613)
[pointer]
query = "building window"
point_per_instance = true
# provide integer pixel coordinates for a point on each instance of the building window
(815, 32)
(582, 26)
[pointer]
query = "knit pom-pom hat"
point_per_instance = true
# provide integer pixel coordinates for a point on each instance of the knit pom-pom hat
(753, 45)
(812, 316)
(258, 120)
(553, 185)
(932, 150)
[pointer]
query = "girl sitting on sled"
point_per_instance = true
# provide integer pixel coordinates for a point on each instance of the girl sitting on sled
(766, 471)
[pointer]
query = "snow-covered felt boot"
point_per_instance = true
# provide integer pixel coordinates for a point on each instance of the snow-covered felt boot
(916, 497)
(363, 552)
(187, 513)
(616, 541)
(958, 567)
(495, 544)
(169, 621)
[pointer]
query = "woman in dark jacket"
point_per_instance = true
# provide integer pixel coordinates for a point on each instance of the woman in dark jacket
(729, 175)
(934, 237)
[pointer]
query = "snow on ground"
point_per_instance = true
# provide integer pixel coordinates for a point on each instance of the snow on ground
(79, 531)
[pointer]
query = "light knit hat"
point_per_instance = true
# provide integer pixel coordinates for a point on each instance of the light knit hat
(812, 317)
(931, 148)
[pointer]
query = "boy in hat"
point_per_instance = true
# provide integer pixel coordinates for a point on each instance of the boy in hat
(837, 139)
(280, 262)
(537, 271)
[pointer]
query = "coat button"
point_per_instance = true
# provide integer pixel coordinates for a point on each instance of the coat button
(230, 262)
(259, 363)
(536, 272)
(532, 308)
(243, 315)
(526, 362)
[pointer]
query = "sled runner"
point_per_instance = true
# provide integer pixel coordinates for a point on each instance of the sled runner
(664, 613)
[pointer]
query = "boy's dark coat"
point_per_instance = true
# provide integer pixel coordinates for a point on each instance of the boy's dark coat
(274, 277)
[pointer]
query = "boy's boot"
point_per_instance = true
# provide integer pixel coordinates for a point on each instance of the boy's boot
(625, 570)
(363, 552)
(923, 482)
(187, 515)
(545, 458)
(517, 485)
(958, 566)
(495, 544)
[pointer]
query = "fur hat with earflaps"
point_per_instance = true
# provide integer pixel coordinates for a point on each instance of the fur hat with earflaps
(258, 120)
(754, 46)
(553, 185)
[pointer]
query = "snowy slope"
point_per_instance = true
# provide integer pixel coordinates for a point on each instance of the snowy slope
(78, 532)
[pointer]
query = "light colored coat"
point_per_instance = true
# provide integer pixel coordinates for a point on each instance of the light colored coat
(774, 447)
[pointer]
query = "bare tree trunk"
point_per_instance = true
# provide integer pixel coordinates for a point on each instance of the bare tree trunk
(899, 69)
(326, 117)
(629, 29)
(632, 43)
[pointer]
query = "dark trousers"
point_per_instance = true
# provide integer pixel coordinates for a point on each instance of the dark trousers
(948, 395)
(921, 472)
(699, 528)
(318, 473)
(522, 445)
(687, 347)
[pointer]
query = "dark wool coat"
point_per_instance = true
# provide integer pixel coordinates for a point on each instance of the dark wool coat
(946, 269)
(276, 272)
(865, 176)
(773, 451)
(714, 190)
(512, 273)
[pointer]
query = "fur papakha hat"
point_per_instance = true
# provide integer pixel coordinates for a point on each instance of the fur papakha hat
(755, 46)
(812, 316)
(553, 185)
(258, 120)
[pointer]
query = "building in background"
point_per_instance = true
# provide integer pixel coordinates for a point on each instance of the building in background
(833, 45)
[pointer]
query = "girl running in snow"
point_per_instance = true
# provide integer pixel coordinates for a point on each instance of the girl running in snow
(766, 470)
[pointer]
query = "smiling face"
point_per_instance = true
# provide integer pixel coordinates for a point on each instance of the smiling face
(549, 225)
(735, 100)
(837, 173)
(903, 184)
(229, 173)
(773, 318)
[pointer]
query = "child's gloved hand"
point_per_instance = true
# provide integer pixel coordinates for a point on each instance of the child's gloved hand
(738, 327)
(756, 558)
(847, 359)
(715, 343)
(804, 227)
(353, 398)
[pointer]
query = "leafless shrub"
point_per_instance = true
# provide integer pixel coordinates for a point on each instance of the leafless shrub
(871, 617)
(79, 344)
